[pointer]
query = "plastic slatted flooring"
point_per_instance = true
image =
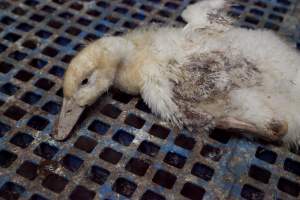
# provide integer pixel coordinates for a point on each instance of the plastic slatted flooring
(119, 150)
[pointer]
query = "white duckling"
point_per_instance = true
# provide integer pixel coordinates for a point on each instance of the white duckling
(206, 74)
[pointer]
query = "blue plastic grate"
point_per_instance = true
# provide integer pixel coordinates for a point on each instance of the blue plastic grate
(119, 150)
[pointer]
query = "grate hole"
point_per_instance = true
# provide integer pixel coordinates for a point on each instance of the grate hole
(38, 63)
(17, 55)
(93, 13)
(175, 159)
(76, 6)
(257, 12)
(123, 137)
(19, 11)
(85, 144)
(80, 192)
(91, 37)
(252, 20)
(71, 162)
(24, 75)
(52, 107)
(121, 96)
(7, 158)
(14, 113)
(111, 19)
(192, 191)
(31, 98)
(44, 84)
(284, 2)
(57, 71)
(60, 92)
(37, 197)
(43, 34)
(62, 41)
(220, 136)
(73, 31)
(137, 166)
(211, 152)
(292, 166)
(164, 13)
(98, 174)
(99, 127)
(83, 21)
(150, 195)
(55, 24)
(110, 155)
(129, 2)
(121, 10)
(130, 25)
(50, 51)
(280, 9)
(134, 121)
(22, 140)
(147, 8)
(149, 148)
(103, 4)
(159, 131)
(4, 5)
(46, 150)
(139, 16)
(259, 174)
(251, 193)
(9, 89)
(28, 170)
(164, 179)
(102, 28)
(124, 187)
(12, 37)
(66, 15)
(266, 155)
(4, 128)
(141, 105)
(272, 26)
(171, 5)
(276, 18)
(202, 171)
(7, 20)
(38, 123)
(55, 183)
(11, 191)
(5, 67)
(67, 58)
(32, 3)
(289, 187)
(48, 9)
(111, 111)
(30, 44)
(185, 142)
(2, 47)
(37, 18)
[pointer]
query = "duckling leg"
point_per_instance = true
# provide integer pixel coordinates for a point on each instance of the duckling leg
(252, 115)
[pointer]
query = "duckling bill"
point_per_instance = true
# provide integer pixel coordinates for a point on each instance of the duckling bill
(208, 73)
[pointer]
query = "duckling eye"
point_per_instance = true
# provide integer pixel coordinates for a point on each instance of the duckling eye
(84, 82)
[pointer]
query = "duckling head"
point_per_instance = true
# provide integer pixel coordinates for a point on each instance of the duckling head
(86, 79)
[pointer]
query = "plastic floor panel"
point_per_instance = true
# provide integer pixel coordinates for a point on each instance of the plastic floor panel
(119, 150)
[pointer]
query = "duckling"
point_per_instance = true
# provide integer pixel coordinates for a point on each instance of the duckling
(206, 74)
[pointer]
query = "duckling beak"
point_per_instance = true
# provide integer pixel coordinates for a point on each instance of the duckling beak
(70, 113)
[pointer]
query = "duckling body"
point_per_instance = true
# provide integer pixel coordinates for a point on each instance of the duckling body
(207, 73)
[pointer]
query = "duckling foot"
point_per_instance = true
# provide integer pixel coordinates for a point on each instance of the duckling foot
(274, 131)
